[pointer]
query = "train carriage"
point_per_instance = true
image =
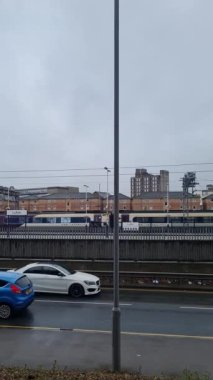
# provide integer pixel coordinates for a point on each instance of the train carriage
(142, 219)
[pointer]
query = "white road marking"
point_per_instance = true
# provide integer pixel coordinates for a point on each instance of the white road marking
(109, 332)
(158, 335)
(82, 302)
(196, 307)
(43, 328)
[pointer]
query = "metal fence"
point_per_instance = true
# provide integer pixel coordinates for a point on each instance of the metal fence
(146, 233)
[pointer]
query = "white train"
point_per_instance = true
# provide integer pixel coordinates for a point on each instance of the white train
(141, 219)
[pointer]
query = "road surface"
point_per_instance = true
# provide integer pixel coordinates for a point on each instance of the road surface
(160, 332)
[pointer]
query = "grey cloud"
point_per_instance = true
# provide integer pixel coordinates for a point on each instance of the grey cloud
(56, 85)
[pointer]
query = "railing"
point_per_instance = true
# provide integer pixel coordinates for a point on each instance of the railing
(145, 233)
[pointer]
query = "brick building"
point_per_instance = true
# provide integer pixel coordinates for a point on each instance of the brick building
(124, 203)
(208, 202)
(163, 201)
(72, 202)
(64, 199)
(66, 202)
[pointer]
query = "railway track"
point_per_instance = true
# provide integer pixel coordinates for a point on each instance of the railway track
(157, 280)
(154, 280)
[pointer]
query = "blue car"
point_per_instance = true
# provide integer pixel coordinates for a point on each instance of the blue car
(16, 293)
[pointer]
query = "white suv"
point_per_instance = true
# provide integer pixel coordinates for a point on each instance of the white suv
(52, 278)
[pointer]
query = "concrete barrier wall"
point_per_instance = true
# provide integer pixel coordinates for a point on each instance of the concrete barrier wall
(103, 250)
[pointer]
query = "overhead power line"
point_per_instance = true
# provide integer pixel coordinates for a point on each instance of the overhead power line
(102, 168)
(47, 170)
(167, 165)
(89, 175)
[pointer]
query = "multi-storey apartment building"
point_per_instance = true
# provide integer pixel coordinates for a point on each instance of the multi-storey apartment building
(144, 182)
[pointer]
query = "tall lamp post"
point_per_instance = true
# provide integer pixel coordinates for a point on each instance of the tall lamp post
(116, 330)
(86, 187)
(107, 171)
(167, 201)
(8, 197)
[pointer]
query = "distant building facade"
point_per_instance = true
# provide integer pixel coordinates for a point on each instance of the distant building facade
(208, 202)
(72, 202)
(144, 182)
(64, 199)
(9, 198)
(48, 190)
(208, 190)
(164, 201)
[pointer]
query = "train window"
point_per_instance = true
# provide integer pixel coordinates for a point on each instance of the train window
(65, 220)
(36, 220)
(176, 220)
(159, 220)
(206, 220)
(198, 220)
(51, 220)
(79, 219)
(141, 219)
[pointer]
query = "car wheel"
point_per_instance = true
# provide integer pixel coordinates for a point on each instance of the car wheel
(76, 291)
(5, 311)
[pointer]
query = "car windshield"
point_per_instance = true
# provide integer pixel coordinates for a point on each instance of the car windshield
(64, 270)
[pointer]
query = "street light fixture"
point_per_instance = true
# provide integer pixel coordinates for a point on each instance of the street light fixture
(107, 171)
(86, 187)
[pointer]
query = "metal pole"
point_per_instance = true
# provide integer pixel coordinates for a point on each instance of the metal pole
(107, 196)
(8, 198)
(108, 171)
(116, 309)
(99, 191)
(167, 209)
(86, 187)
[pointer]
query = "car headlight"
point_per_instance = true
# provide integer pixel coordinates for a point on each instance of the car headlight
(90, 282)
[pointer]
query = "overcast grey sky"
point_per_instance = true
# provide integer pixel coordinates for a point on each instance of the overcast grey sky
(56, 90)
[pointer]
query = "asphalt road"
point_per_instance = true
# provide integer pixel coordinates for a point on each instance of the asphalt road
(160, 332)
